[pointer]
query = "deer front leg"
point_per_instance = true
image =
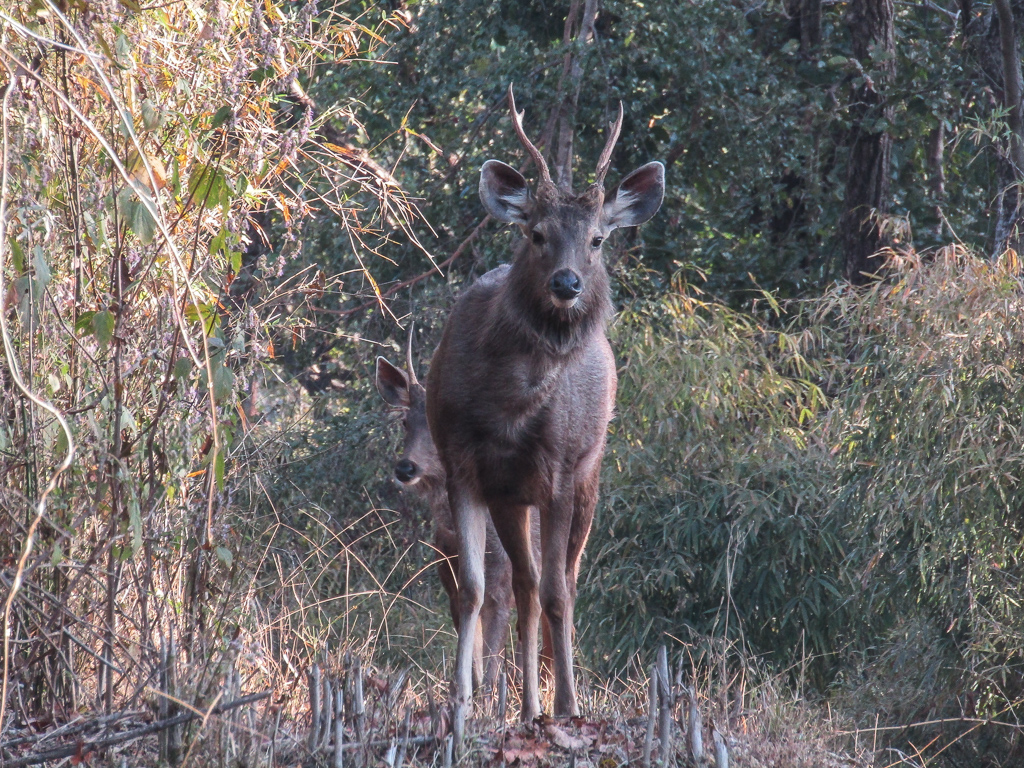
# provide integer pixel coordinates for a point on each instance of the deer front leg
(470, 517)
(556, 598)
(512, 523)
(447, 570)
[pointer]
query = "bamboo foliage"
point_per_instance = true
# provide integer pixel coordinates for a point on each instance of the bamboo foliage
(151, 160)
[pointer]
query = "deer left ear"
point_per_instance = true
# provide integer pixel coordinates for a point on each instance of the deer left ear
(393, 384)
(505, 193)
(637, 198)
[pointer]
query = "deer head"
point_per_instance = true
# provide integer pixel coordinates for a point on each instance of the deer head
(565, 230)
(419, 462)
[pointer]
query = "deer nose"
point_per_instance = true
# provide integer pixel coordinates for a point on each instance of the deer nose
(405, 471)
(566, 284)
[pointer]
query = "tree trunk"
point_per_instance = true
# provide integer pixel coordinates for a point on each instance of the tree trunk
(1010, 224)
(805, 24)
(572, 80)
(867, 180)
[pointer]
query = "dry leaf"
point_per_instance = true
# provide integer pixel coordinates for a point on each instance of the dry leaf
(137, 170)
(564, 740)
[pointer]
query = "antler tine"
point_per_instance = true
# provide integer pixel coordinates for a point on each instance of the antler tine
(517, 123)
(605, 161)
(408, 358)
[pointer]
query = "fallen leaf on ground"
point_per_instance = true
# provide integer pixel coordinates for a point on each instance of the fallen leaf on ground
(564, 740)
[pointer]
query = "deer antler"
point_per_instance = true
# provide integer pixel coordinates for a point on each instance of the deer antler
(408, 358)
(538, 158)
(605, 161)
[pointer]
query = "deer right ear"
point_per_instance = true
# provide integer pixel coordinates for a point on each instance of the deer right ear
(393, 384)
(505, 193)
(637, 198)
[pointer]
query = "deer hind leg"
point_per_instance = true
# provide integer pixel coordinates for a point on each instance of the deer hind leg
(494, 615)
(470, 517)
(512, 522)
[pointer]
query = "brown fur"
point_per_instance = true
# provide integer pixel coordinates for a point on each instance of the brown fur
(519, 396)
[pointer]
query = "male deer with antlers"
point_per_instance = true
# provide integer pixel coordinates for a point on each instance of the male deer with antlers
(520, 392)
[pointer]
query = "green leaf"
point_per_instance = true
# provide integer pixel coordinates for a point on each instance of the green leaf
(151, 116)
(123, 52)
(236, 261)
(135, 522)
(207, 313)
(43, 275)
(60, 445)
(141, 222)
(17, 255)
(176, 177)
(221, 116)
(224, 195)
(225, 556)
(84, 322)
(127, 420)
(182, 368)
(217, 244)
(262, 74)
(223, 380)
(103, 326)
(57, 556)
(204, 186)
(837, 61)
(218, 469)
(104, 46)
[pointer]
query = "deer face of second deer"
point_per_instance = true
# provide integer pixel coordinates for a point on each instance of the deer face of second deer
(419, 464)
(565, 231)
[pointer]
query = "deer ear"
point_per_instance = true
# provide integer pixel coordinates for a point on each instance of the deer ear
(637, 198)
(504, 193)
(393, 384)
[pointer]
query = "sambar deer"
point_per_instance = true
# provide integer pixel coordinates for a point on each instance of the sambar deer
(419, 468)
(519, 395)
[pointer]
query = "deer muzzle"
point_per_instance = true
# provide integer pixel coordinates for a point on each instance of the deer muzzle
(566, 287)
(406, 472)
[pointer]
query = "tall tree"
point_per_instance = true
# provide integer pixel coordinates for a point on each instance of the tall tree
(867, 181)
(805, 24)
(1011, 217)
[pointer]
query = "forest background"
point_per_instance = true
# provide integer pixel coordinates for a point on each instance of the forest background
(215, 217)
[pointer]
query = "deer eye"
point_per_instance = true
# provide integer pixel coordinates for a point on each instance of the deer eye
(596, 242)
(537, 237)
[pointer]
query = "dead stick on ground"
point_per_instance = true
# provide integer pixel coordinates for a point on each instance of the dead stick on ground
(88, 746)
(696, 728)
(652, 709)
(339, 725)
(314, 707)
(73, 728)
(721, 750)
(666, 703)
